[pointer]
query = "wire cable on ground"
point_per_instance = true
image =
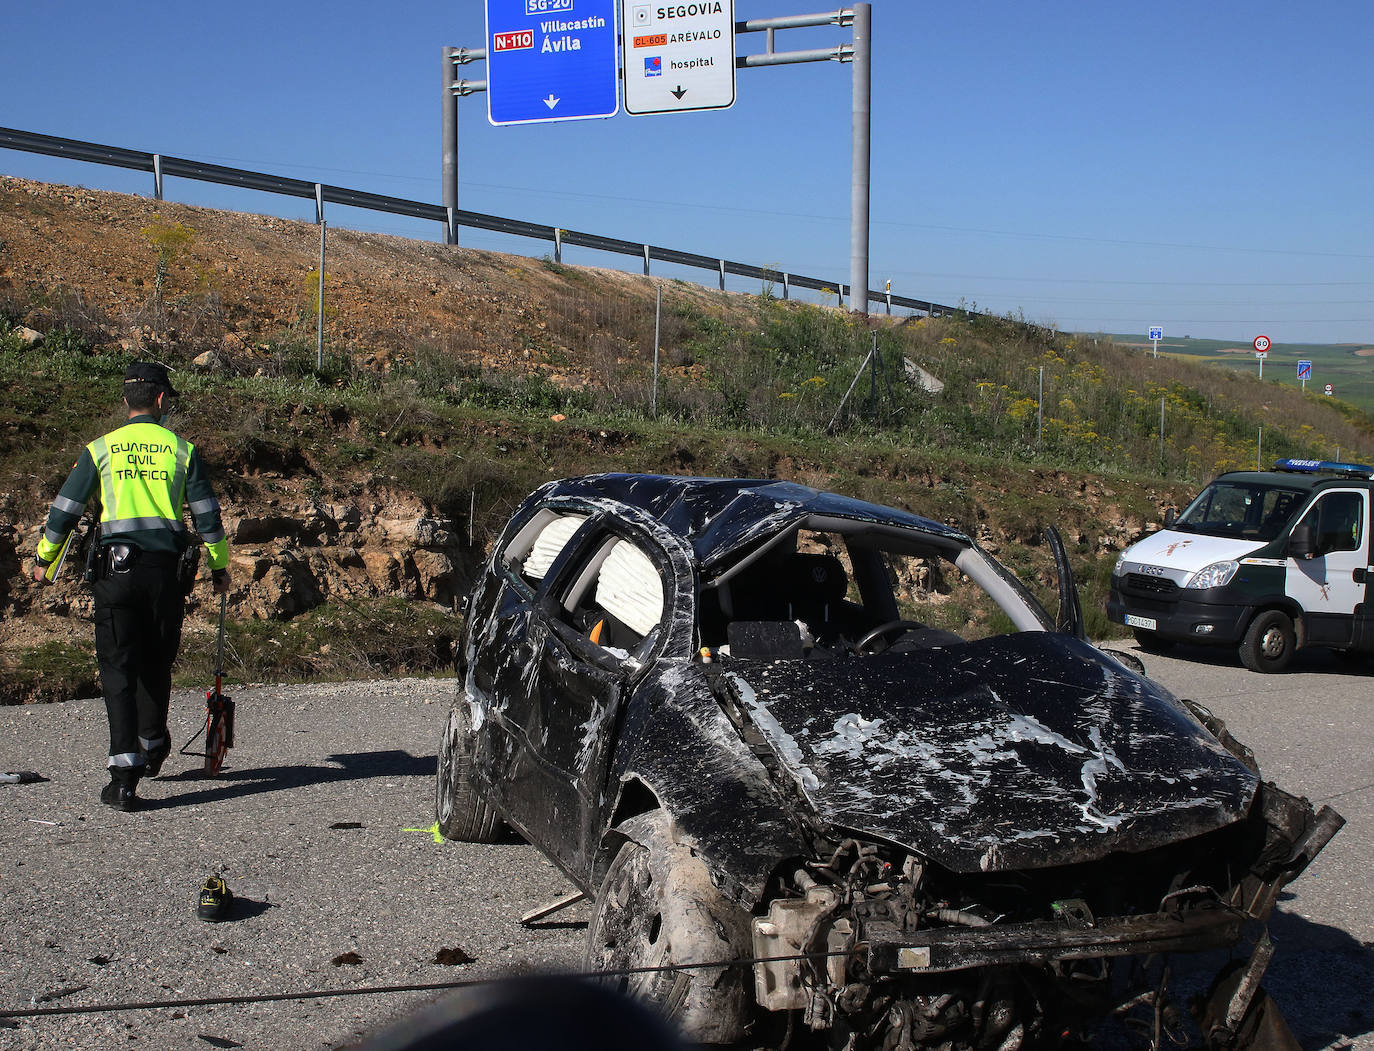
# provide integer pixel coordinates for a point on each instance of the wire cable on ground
(376, 990)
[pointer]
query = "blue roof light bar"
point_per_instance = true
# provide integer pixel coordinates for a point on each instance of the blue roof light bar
(1353, 470)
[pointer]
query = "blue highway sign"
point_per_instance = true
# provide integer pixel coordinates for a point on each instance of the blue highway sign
(551, 60)
(1156, 333)
(1304, 370)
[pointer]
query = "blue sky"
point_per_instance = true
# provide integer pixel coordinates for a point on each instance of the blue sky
(1101, 166)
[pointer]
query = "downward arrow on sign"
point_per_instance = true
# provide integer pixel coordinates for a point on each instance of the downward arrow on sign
(680, 92)
(551, 102)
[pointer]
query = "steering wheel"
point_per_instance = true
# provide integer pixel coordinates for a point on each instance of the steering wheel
(862, 646)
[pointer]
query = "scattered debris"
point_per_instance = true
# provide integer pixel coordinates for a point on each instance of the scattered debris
(219, 1041)
(20, 777)
(453, 957)
(347, 959)
(57, 994)
(347, 824)
(99, 961)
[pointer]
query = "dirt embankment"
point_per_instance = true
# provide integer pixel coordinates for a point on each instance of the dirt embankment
(233, 293)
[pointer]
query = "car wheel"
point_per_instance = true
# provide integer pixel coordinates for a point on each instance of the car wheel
(658, 907)
(1269, 643)
(461, 811)
(1152, 643)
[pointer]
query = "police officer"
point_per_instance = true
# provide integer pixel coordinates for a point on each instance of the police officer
(145, 474)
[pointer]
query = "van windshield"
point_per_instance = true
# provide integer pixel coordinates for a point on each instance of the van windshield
(1240, 510)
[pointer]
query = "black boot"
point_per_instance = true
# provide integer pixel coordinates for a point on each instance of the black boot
(157, 756)
(119, 795)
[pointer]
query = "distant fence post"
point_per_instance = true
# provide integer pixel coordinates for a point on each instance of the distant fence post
(1161, 434)
(319, 316)
(658, 315)
(1040, 410)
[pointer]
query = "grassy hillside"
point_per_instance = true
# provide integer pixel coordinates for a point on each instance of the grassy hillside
(1348, 367)
(464, 379)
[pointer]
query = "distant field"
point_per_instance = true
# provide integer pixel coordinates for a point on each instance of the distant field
(1342, 365)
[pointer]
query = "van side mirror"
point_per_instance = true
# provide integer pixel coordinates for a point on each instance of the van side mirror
(1302, 541)
(1170, 517)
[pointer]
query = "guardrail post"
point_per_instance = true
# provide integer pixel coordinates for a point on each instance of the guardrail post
(319, 204)
(157, 176)
(722, 274)
(557, 245)
(786, 285)
(646, 260)
(451, 227)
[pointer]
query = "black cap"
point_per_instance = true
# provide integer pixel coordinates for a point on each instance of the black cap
(150, 372)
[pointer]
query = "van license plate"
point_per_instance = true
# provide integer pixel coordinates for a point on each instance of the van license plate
(1148, 623)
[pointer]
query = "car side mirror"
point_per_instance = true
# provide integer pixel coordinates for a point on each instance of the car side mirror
(1302, 541)
(1170, 517)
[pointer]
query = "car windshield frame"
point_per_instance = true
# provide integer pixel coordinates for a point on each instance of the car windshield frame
(1277, 506)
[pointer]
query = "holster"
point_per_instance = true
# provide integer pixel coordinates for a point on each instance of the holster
(92, 573)
(187, 566)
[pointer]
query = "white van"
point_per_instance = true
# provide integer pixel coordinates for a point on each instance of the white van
(1268, 561)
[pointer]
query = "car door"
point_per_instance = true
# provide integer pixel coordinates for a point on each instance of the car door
(507, 640)
(604, 614)
(1331, 585)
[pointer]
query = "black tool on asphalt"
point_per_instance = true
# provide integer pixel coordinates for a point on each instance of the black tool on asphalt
(20, 777)
(219, 711)
(216, 899)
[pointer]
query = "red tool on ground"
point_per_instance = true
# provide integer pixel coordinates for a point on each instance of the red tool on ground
(219, 711)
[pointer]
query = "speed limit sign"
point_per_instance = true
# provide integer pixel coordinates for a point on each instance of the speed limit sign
(1261, 344)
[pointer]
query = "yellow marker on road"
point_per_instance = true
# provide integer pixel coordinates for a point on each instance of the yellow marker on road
(432, 830)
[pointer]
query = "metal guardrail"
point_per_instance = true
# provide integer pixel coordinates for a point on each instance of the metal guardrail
(160, 165)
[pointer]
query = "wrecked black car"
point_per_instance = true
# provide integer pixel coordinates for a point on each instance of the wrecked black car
(755, 723)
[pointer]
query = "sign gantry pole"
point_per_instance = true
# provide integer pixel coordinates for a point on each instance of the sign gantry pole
(534, 47)
(861, 157)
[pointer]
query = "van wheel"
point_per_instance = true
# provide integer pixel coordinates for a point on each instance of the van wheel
(1152, 643)
(1269, 643)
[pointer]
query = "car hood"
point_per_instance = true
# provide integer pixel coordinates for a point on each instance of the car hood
(1022, 751)
(1186, 553)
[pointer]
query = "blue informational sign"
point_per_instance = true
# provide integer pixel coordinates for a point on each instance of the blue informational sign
(1304, 370)
(1156, 333)
(551, 60)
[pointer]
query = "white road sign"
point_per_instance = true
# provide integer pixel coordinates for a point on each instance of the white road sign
(677, 57)
(1157, 333)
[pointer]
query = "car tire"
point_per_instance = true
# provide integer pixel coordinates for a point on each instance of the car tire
(460, 810)
(1152, 643)
(1269, 642)
(657, 907)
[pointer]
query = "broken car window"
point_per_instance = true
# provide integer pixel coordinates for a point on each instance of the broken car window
(541, 542)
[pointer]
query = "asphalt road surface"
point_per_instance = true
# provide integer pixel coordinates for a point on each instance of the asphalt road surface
(320, 824)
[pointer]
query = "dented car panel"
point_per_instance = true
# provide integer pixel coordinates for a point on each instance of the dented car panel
(1013, 752)
(919, 839)
(723, 801)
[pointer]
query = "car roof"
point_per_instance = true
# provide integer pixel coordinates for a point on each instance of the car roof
(719, 516)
